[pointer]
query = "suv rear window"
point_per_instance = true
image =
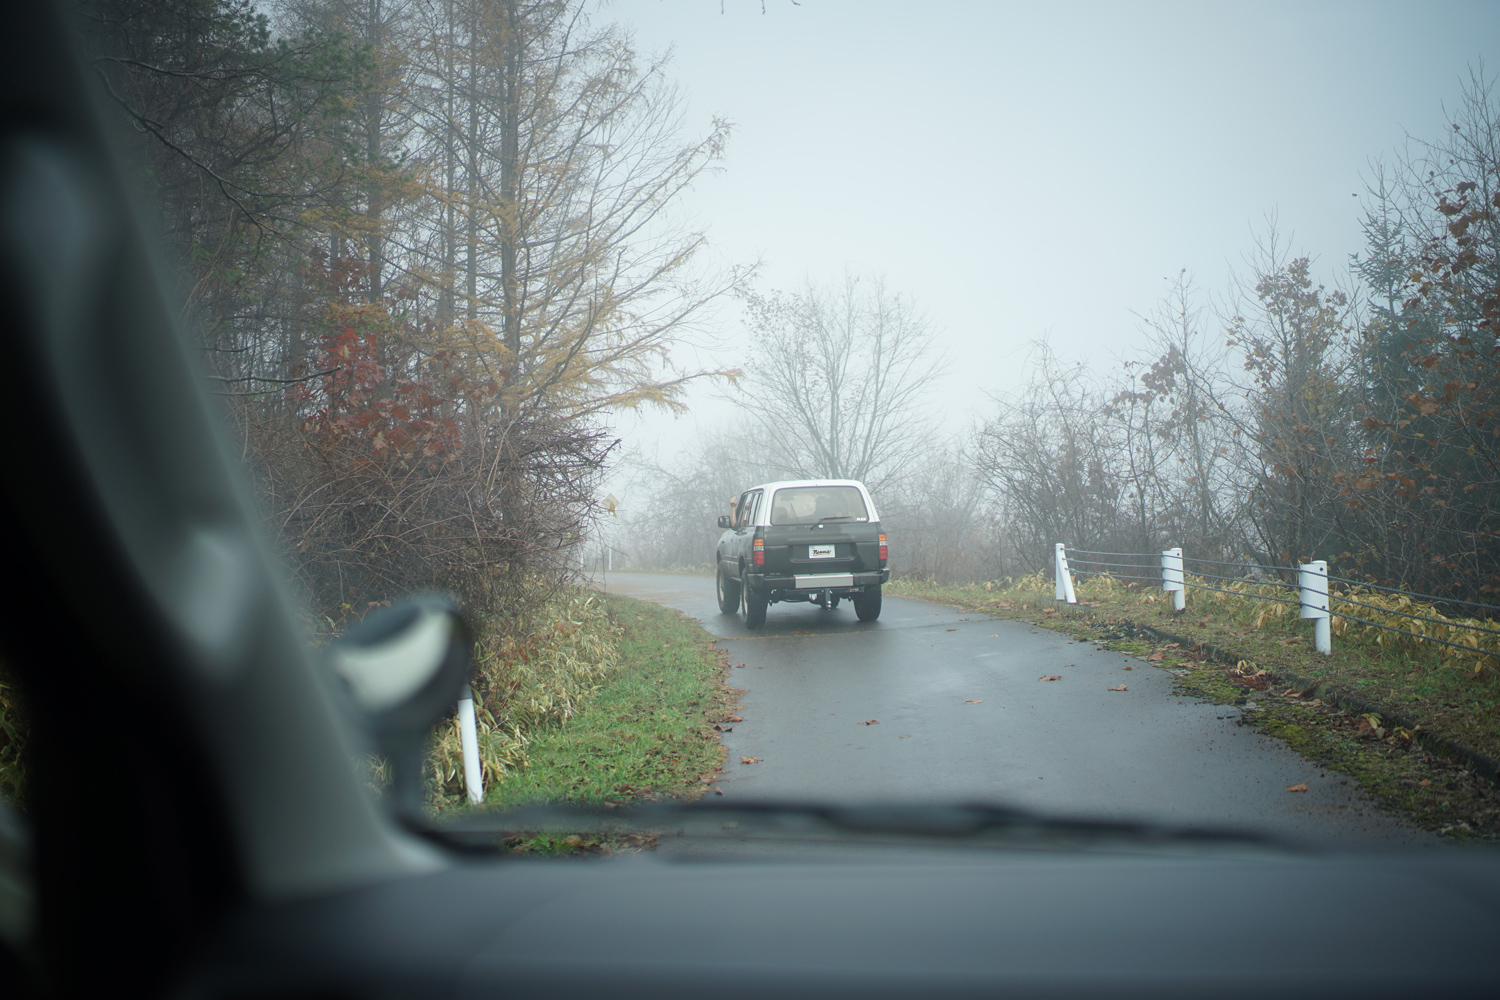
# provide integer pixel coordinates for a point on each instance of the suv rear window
(811, 504)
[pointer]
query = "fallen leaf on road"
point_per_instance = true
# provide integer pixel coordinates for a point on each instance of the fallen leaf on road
(1300, 786)
(723, 729)
(950, 630)
(906, 737)
(749, 760)
(1050, 677)
(1130, 668)
(872, 722)
(733, 718)
(1156, 657)
(973, 701)
(994, 635)
(1118, 687)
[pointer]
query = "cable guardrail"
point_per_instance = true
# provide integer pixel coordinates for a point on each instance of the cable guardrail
(1410, 593)
(1221, 562)
(1316, 598)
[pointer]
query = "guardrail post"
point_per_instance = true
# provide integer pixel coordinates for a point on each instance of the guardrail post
(468, 734)
(1063, 579)
(1312, 580)
(1172, 579)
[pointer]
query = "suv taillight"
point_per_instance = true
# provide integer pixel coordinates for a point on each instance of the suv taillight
(882, 548)
(758, 552)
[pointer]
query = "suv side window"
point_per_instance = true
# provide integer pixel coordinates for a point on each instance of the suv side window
(749, 507)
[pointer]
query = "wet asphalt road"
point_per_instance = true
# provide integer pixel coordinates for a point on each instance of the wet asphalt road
(962, 716)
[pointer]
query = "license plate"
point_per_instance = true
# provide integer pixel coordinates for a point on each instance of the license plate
(820, 552)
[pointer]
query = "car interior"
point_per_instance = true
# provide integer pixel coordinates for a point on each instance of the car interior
(199, 824)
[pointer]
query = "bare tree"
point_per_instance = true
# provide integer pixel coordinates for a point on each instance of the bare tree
(1294, 414)
(1055, 464)
(675, 503)
(1194, 474)
(836, 379)
(939, 524)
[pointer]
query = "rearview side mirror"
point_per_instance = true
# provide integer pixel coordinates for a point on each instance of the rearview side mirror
(404, 667)
(724, 521)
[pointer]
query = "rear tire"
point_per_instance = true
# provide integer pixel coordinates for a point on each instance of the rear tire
(867, 603)
(755, 607)
(728, 592)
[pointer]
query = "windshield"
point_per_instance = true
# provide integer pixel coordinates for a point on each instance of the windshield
(811, 504)
(1162, 340)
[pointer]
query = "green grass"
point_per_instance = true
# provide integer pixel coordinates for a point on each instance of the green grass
(646, 733)
(1460, 704)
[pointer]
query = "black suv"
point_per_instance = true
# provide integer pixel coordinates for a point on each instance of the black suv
(806, 540)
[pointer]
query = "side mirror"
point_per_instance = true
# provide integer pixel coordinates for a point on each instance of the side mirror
(404, 667)
(724, 521)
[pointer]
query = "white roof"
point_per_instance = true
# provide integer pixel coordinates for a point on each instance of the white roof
(812, 482)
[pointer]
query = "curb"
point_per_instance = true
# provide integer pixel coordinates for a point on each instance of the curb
(1439, 746)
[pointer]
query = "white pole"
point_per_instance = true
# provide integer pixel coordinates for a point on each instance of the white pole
(1064, 579)
(468, 732)
(1172, 578)
(1312, 581)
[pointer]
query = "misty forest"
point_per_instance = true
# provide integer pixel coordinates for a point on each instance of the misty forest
(430, 252)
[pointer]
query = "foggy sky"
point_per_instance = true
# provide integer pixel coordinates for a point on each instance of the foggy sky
(1023, 172)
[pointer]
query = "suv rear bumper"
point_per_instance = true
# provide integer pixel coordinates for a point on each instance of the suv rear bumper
(812, 583)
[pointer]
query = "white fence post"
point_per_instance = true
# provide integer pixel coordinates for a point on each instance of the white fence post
(468, 734)
(1312, 581)
(1063, 579)
(1172, 579)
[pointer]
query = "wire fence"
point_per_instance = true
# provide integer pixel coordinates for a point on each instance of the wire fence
(1316, 596)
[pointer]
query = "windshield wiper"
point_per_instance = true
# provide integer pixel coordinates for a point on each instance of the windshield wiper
(836, 517)
(964, 824)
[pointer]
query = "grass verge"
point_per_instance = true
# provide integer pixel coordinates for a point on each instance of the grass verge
(645, 733)
(1254, 649)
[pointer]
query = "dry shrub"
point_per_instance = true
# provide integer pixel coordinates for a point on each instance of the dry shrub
(527, 680)
(1248, 601)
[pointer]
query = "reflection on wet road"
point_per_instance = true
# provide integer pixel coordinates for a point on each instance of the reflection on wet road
(931, 703)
